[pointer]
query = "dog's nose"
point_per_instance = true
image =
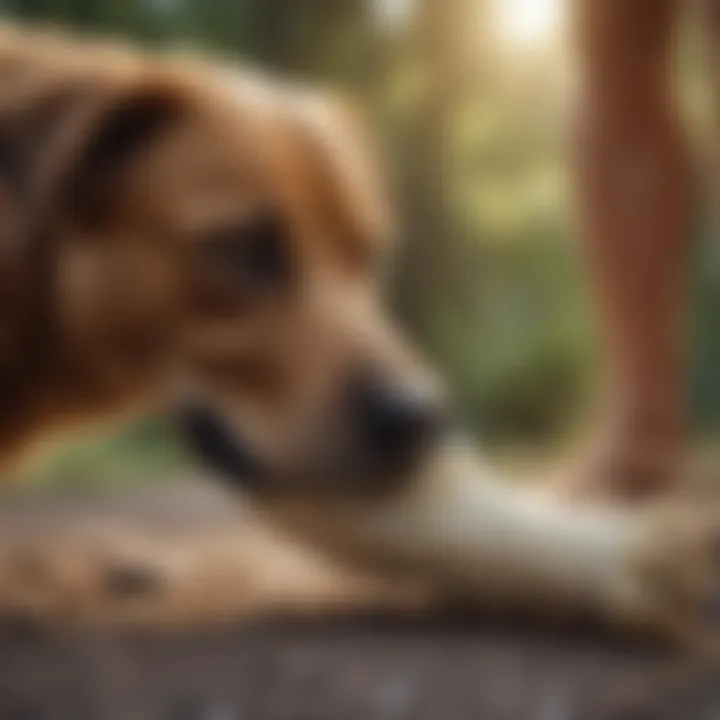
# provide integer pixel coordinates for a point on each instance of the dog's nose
(395, 423)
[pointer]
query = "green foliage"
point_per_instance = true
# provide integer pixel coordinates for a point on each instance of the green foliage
(704, 308)
(500, 297)
(517, 347)
(138, 452)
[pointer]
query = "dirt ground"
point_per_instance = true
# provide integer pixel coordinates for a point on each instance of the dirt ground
(132, 605)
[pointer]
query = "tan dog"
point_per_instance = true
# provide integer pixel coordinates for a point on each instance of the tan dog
(179, 235)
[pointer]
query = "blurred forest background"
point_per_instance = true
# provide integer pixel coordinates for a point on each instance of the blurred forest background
(469, 98)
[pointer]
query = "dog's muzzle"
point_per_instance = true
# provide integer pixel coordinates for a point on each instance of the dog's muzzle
(390, 431)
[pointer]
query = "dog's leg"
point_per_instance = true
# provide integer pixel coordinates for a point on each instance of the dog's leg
(492, 542)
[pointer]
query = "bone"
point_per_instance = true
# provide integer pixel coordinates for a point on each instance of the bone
(484, 539)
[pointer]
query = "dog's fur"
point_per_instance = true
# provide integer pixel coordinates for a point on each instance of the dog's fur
(136, 196)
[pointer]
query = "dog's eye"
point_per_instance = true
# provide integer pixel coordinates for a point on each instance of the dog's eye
(251, 254)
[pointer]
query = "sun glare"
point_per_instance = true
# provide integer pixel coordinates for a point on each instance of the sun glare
(528, 23)
(392, 13)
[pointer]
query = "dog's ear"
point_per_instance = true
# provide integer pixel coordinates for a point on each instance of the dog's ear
(65, 145)
(117, 136)
(345, 170)
(29, 122)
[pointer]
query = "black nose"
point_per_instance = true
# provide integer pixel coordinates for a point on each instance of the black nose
(395, 423)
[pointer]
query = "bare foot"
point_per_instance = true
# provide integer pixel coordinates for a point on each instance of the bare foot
(621, 467)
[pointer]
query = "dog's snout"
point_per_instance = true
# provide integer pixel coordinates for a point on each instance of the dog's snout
(395, 422)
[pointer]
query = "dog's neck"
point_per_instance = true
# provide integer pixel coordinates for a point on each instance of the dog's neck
(26, 350)
(48, 379)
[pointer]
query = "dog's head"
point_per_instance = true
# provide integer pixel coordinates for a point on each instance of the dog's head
(218, 243)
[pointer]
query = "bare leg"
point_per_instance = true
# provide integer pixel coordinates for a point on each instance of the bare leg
(632, 175)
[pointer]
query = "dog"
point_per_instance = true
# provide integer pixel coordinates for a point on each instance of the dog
(207, 240)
